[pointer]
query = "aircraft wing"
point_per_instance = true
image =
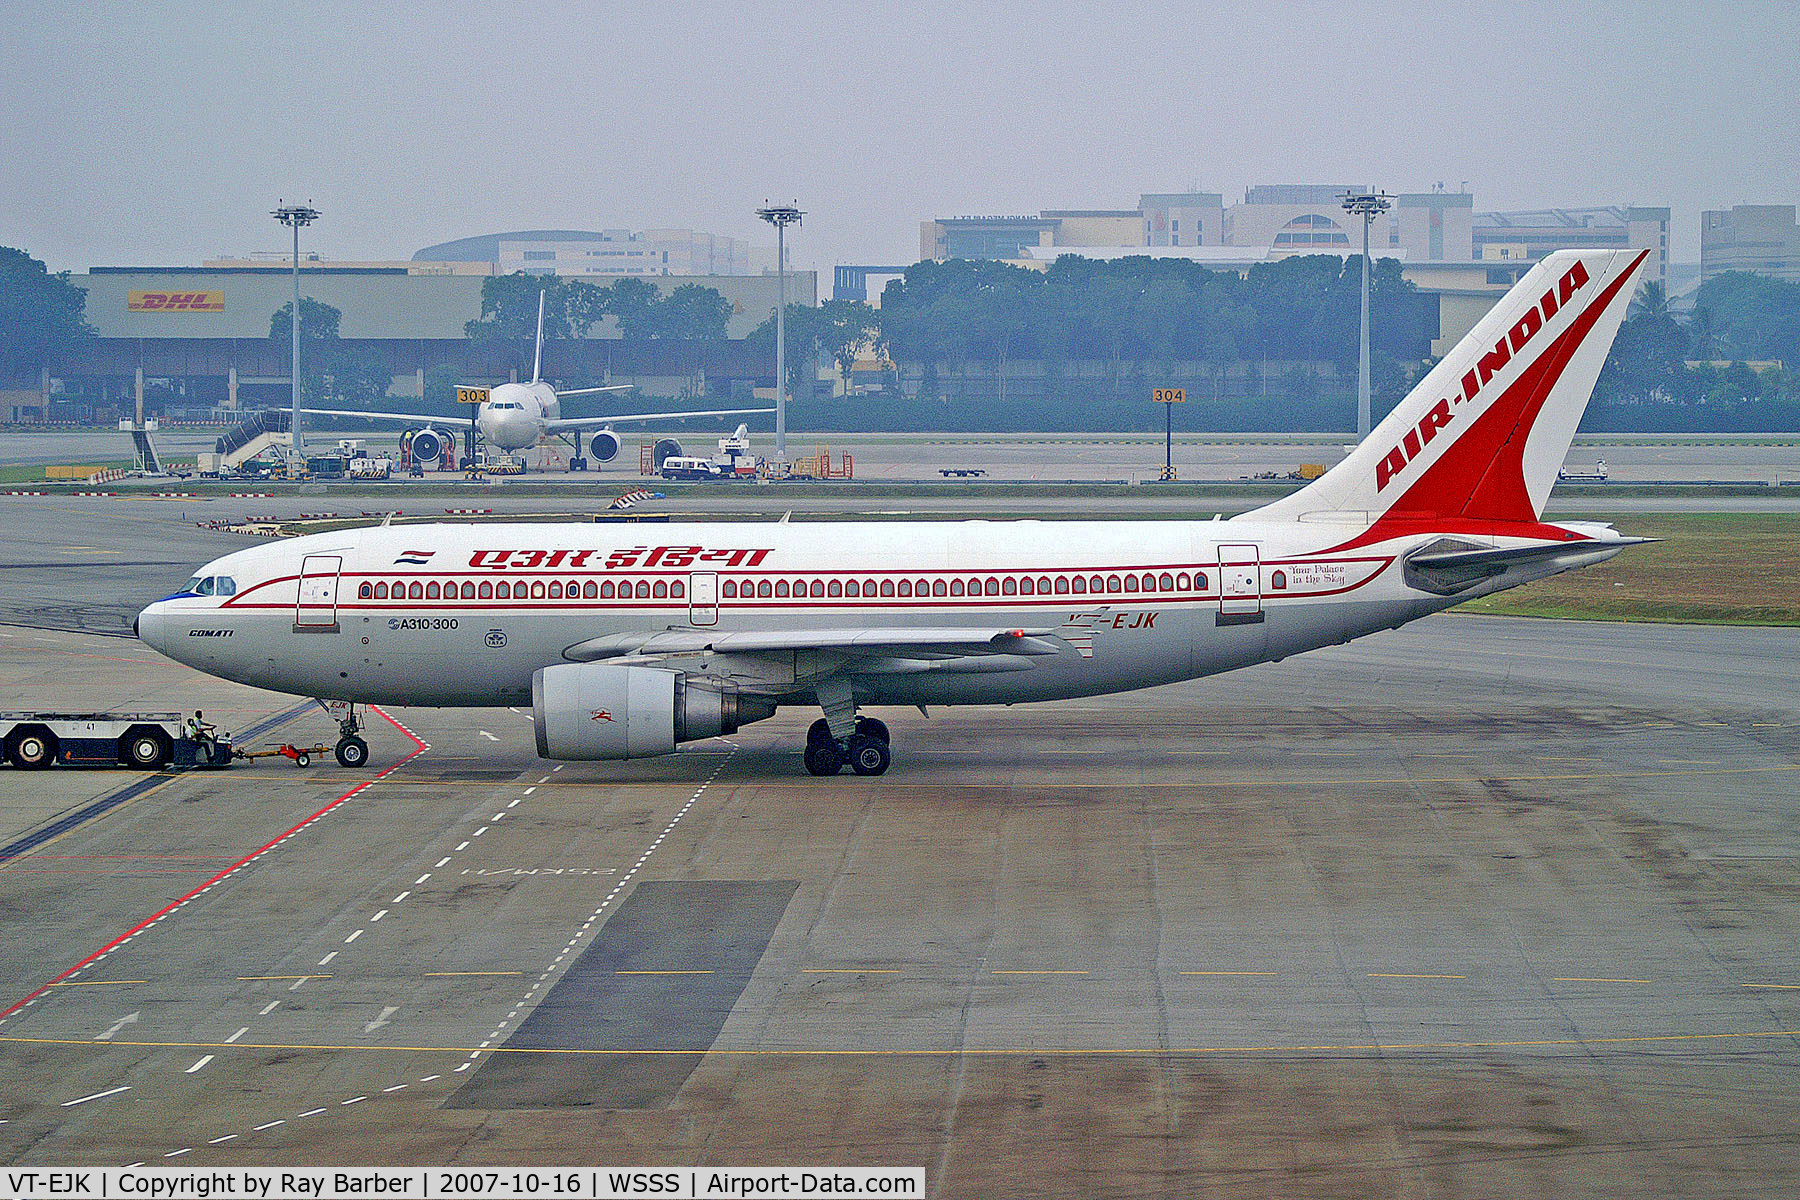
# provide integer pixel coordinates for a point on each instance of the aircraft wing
(594, 391)
(407, 418)
(570, 424)
(843, 644)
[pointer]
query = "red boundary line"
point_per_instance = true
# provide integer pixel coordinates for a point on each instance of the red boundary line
(419, 748)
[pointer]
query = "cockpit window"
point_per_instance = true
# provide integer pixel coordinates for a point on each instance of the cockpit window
(210, 585)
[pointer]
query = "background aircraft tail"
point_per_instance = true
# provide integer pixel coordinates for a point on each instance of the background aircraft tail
(1482, 436)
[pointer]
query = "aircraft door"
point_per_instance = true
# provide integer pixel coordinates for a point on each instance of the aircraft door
(703, 598)
(1240, 582)
(316, 607)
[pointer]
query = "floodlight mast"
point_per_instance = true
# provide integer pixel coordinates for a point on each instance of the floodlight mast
(780, 216)
(294, 216)
(1367, 205)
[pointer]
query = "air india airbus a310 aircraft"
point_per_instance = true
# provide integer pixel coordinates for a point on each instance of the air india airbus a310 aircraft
(628, 640)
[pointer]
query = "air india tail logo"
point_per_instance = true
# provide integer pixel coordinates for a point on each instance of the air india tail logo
(602, 714)
(1486, 367)
(210, 302)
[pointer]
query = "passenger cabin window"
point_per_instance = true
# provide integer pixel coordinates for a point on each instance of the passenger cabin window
(677, 590)
(487, 590)
(366, 592)
(537, 589)
(729, 589)
(415, 591)
(606, 590)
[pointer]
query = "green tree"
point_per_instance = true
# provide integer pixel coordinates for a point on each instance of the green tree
(1758, 317)
(633, 303)
(330, 371)
(440, 387)
(847, 327)
(41, 314)
(803, 330)
(318, 322)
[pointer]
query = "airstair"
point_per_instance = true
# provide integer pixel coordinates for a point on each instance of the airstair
(259, 432)
(143, 447)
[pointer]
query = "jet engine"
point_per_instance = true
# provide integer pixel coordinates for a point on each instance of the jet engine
(598, 711)
(664, 448)
(428, 446)
(604, 446)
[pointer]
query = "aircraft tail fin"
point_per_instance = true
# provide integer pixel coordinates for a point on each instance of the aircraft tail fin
(537, 353)
(1482, 436)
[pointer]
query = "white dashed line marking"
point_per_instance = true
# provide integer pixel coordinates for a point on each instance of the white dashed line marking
(440, 862)
(269, 1125)
(327, 959)
(353, 937)
(95, 1096)
(240, 1033)
(378, 916)
(204, 1059)
(270, 1007)
(230, 1137)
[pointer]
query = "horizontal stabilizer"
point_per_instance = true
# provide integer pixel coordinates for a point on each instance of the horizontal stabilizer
(1448, 566)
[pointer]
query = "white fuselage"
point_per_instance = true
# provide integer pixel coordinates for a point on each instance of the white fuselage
(517, 415)
(458, 615)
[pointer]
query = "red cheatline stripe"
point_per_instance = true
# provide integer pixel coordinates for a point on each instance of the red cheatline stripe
(418, 749)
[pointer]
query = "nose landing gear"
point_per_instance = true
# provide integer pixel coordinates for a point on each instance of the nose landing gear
(351, 750)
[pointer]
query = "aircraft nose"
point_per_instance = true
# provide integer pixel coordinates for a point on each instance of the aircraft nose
(147, 626)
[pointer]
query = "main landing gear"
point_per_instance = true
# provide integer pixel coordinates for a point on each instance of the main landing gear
(865, 751)
(351, 750)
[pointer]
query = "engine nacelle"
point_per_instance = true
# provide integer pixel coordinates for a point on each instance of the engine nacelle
(592, 711)
(428, 446)
(604, 446)
(664, 448)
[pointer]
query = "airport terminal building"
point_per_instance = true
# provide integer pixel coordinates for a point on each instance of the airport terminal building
(206, 331)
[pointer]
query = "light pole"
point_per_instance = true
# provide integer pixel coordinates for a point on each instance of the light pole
(1367, 205)
(780, 216)
(294, 216)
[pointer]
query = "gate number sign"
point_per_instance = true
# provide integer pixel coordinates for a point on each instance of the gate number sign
(1169, 395)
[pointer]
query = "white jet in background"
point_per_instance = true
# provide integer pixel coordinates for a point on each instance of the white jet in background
(517, 416)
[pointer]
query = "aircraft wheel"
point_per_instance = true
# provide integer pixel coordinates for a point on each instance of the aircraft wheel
(818, 733)
(868, 756)
(352, 752)
(870, 727)
(148, 749)
(824, 758)
(32, 748)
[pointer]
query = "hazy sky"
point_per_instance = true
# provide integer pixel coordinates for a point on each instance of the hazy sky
(163, 133)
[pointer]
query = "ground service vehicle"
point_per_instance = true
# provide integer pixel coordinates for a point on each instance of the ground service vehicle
(33, 741)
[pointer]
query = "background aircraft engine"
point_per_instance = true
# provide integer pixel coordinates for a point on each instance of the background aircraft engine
(428, 446)
(604, 446)
(596, 711)
(665, 448)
